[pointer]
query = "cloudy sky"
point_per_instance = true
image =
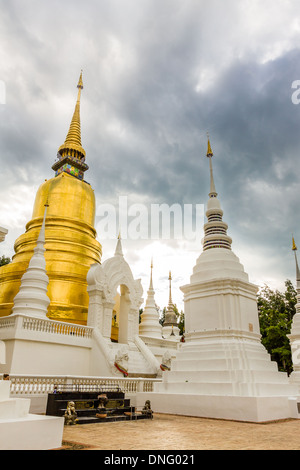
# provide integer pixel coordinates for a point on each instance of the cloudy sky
(158, 75)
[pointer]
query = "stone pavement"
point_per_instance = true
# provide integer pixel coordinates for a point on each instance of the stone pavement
(170, 432)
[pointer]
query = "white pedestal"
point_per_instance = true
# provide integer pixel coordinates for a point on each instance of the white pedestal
(247, 409)
(33, 432)
(20, 430)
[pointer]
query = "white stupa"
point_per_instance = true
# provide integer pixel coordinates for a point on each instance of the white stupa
(150, 325)
(32, 298)
(294, 337)
(222, 370)
(20, 429)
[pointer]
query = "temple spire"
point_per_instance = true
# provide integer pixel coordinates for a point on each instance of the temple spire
(209, 154)
(71, 155)
(170, 327)
(73, 139)
(170, 290)
(297, 306)
(215, 229)
(149, 325)
(119, 251)
(294, 248)
(151, 268)
(170, 316)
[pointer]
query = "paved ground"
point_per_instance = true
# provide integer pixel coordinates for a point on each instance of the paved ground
(169, 432)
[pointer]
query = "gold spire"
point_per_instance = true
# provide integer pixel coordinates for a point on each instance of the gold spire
(209, 150)
(72, 145)
(294, 245)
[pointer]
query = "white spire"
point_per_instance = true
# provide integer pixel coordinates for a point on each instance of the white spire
(32, 298)
(215, 229)
(150, 325)
(209, 155)
(294, 248)
(170, 327)
(170, 317)
(119, 251)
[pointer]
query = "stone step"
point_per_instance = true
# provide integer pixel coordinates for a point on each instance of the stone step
(225, 389)
(227, 376)
(112, 418)
(198, 364)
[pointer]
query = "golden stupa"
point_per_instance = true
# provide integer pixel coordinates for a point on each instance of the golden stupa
(71, 245)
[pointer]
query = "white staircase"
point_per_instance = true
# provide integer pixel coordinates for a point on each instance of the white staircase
(141, 361)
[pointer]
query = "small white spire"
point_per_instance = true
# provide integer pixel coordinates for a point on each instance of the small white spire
(170, 317)
(151, 282)
(32, 298)
(294, 248)
(209, 154)
(215, 230)
(297, 306)
(119, 251)
(150, 325)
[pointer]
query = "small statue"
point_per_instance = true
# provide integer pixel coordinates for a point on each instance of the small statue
(121, 361)
(70, 414)
(147, 409)
(101, 409)
(166, 361)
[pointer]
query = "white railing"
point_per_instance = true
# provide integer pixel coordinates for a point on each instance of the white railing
(29, 385)
(26, 323)
(53, 326)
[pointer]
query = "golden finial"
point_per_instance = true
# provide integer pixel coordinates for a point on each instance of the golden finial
(294, 248)
(209, 150)
(72, 145)
(80, 82)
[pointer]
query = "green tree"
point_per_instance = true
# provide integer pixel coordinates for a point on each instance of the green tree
(180, 319)
(276, 310)
(140, 313)
(162, 316)
(4, 260)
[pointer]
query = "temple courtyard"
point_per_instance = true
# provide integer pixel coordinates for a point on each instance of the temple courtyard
(170, 432)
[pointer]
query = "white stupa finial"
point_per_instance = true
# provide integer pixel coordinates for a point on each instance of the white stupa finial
(119, 251)
(215, 230)
(149, 325)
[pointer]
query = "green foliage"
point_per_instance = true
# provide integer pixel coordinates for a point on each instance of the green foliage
(4, 260)
(162, 317)
(180, 319)
(276, 310)
(140, 313)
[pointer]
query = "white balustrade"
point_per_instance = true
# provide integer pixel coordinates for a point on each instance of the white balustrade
(41, 325)
(27, 385)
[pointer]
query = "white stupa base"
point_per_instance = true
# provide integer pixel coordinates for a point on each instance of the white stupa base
(294, 379)
(224, 375)
(20, 430)
(32, 432)
(235, 408)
